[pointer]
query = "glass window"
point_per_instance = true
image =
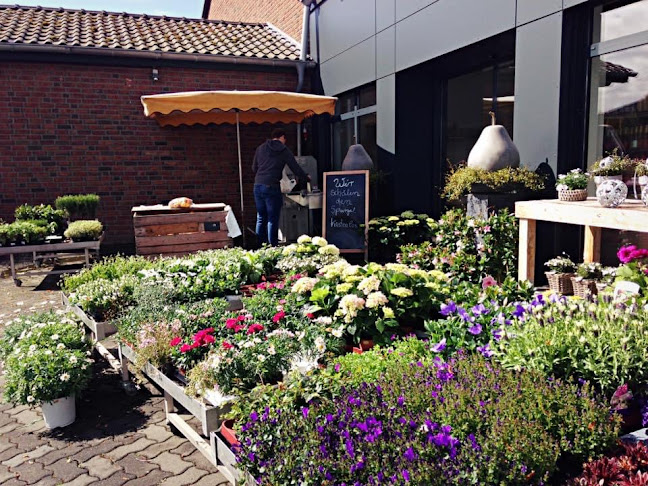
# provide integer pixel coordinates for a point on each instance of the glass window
(343, 138)
(619, 19)
(470, 99)
(619, 104)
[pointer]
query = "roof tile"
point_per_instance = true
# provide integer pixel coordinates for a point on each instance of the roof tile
(123, 31)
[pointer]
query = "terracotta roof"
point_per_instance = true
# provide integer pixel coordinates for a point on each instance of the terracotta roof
(44, 26)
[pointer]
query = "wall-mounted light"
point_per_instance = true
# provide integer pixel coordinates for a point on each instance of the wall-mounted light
(155, 75)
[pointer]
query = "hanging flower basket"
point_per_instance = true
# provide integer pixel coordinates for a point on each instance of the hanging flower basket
(560, 283)
(584, 287)
(572, 195)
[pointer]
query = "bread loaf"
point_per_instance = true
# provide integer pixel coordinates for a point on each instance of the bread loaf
(180, 202)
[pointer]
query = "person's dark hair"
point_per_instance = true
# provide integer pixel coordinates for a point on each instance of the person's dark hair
(277, 133)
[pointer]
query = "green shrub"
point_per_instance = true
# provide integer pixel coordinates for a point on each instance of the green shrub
(460, 182)
(79, 206)
(43, 215)
(84, 230)
(22, 232)
(111, 268)
(105, 299)
(388, 233)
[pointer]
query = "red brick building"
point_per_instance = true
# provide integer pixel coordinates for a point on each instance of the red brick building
(72, 121)
(285, 14)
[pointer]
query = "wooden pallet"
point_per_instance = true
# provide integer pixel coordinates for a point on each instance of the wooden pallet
(160, 230)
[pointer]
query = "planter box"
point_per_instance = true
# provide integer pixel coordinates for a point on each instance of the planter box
(99, 330)
(227, 462)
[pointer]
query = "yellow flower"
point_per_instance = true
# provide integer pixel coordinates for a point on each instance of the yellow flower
(393, 218)
(402, 292)
(388, 312)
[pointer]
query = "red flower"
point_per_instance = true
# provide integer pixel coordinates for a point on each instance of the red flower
(231, 323)
(175, 341)
(255, 328)
(277, 317)
(186, 347)
(238, 328)
(227, 345)
(241, 318)
(208, 339)
(310, 315)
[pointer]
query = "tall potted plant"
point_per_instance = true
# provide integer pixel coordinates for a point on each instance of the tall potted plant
(46, 363)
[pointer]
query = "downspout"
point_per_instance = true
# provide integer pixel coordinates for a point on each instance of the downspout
(301, 65)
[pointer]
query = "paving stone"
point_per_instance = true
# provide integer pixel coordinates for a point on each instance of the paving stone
(137, 466)
(15, 410)
(4, 445)
(190, 476)
(14, 482)
(31, 472)
(156, 449)
(27, 416)
(49, 481)
(216, 479)
(184, 449)
(66, 469)
(171, 463)
(83, 480)
(5, 418)
(27, 441)
(5, 474)
(122, 451)
(11, 452)
(36, 453)
(117, 479)
(10, 427)
(153, 478)
(100, 467)
(199, 460)
(88, 453)
(70, 451)
(156, 433)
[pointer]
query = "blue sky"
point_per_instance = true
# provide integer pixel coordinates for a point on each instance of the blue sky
(172, 8)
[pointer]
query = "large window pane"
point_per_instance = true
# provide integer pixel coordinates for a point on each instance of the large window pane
(470, 98)
(619, 19)
(343, 138)
(367, 135)
(619, 106)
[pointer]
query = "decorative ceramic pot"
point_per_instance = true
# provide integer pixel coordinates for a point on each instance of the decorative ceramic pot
(572, 195)
(611, 193)
(59, 412)
(644, 196)
(601, 179)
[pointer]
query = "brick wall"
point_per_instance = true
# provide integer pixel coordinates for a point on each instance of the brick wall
(69, 129)
(285, 14)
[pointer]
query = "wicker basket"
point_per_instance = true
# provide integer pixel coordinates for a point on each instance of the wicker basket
(560, 283)
(572, 195)
(584, 287)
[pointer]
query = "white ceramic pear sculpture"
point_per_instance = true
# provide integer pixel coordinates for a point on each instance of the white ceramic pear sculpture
(494, 149)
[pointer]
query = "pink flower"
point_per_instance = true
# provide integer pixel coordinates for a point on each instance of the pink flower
(278, 316)
(625, 253)
(186, 347)
(255, 328)
(175, 341)
(488, 282)
(227, 345)
(231, 323)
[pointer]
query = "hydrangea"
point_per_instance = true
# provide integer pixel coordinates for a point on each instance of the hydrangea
(376, 299)
(369, 284)
(350, 305)
(304, 285)
(402, 292)
(303, 239)
(319, 241)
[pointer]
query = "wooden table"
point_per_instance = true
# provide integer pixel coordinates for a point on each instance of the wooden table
(632, 215)
(49, 250)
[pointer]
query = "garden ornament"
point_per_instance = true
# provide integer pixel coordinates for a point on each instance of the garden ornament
(494, 149)
(611, 193)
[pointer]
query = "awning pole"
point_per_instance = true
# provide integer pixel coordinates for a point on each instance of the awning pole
(238, 144)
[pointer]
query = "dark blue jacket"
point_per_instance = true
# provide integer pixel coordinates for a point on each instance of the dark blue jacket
(269, 161)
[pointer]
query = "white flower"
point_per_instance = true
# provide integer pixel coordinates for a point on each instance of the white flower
(369, 284)
(471, 223)
(303, 362)
(301, 335)
(338, 332)
(73, 359)
(304, 284)
(319, 241)
(65, 377)
(320, 344)
(54, 337)
(329, 250)
(271, 350)
(261, 358)
(289, 250)
(303, 239)
(60, 346)
(351, 270)
(30, 399)
(350, 305)
(48, 352)
(376, 299)
(325, 320)
(32, 348)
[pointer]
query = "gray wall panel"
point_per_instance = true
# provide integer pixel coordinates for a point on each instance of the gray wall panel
(405, 8)
(571, 3)
(386, 117)
(344, 24)
(530, 10)
(385, 14)
(448, 25)
(385, 52)
(352, 68)
(537, 90)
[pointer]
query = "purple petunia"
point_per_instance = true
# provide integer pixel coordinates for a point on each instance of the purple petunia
(410, 455)
(497, 334)
(480, 310)
(447, 309)
(438, 347)
(475, 330)
(486, 351)
(305, 412)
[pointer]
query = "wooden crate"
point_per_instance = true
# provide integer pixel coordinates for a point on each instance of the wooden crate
(160, 230)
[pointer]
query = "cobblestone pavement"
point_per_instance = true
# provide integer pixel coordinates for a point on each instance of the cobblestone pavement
(117, 439)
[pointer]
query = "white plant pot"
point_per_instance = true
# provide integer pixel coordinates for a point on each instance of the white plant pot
(599, 179)
(643, 180)
(59, 412)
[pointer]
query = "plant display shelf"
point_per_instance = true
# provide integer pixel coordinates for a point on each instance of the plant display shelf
(49, 250)
(99, 330)
(227, 462)
(631, 215)
(210, 417)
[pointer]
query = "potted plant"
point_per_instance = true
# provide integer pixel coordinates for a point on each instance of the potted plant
(572, 186)
(84, 230)
(610, 167)
(561, 270)
(47, 364)
(587, 275)
(78, 206)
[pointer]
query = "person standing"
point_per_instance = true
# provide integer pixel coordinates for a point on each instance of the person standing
(270, 159)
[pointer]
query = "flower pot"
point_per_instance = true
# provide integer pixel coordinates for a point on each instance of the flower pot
(228, 433)
(560, 283)
(600, 179)
(365, 345)
(583, 287)
(572, 195)
(59, 412)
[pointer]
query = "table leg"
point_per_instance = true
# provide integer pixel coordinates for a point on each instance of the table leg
(527, 250)
(87, 257)
(592, 247)
(13, 266)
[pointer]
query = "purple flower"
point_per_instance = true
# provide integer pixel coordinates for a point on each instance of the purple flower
(519, 311)
(497, 334)
(254, 416)
(480, 310)
(486, 351)
(465, 316)
(305, 412)
(406, 475)
(475, 330)
(447, 309)
(337, 367)
(438, 347)
(401, 401)
(410, 455)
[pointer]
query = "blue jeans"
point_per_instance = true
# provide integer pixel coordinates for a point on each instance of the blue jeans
(268, 200)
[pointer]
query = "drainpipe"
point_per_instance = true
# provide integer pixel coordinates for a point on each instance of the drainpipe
(301, 65)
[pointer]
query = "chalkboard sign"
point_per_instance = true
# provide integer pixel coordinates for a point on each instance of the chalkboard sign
(346, 209)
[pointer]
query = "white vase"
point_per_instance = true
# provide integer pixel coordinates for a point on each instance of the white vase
(59, 412)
